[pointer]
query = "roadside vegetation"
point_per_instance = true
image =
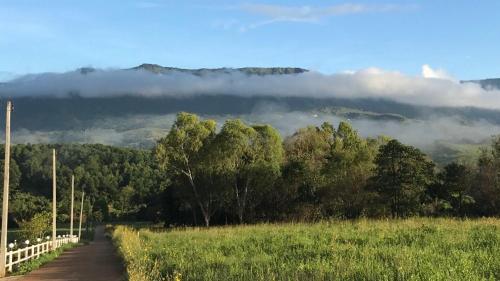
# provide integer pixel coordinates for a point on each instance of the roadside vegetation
(410, 249)
(26, 267)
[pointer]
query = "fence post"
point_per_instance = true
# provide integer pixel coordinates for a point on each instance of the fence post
(10, 261)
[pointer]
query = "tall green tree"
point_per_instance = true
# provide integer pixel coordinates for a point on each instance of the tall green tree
(402, 175)
(487, 190)
(454, 189)
(306, 156)
(348, 169)
(185, 152)
(249, 159)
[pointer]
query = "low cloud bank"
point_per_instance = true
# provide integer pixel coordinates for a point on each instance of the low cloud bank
(420, 133)
(434, 88)
(144, 130)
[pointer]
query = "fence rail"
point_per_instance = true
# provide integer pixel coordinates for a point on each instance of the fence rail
(34, 251)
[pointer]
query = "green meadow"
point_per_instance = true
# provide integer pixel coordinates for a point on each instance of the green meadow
(412, 249)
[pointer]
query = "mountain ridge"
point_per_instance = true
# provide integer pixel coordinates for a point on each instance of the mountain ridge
(487, 84)
(159, 69)
(136, 120)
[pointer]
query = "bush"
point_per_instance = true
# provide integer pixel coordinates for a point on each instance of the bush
(37, 227)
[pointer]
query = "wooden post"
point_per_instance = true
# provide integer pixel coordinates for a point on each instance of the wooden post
(81, 216)
(54, 206)
(72, 203)
(5, 205)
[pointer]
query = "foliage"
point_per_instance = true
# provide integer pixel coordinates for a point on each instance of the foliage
(184, 152)
(452, 191)
(26, 205)
(245, 173)
(249, 160)
(401, 177)
(37, 227)
(350, 164)
(413, 249)
(306, 154)
(108, 175)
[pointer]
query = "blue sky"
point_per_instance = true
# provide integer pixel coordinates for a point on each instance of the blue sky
(461, 37)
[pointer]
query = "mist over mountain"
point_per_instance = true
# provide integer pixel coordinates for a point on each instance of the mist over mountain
(136, 106)
(488, 84)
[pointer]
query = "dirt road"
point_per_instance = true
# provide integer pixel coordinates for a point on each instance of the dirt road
(94, 262)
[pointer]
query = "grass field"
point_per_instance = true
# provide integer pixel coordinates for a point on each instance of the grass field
(413, 249)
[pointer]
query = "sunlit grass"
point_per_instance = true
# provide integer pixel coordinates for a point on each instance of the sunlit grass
(414, 249)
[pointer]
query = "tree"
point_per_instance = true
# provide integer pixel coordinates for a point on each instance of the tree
(453, 189)
(184, 152)
(306, 156)
(14, 175)
(25, 206)
(487, 191)
(306, 152)
(348, 169)
(249, 159)
(401, 177)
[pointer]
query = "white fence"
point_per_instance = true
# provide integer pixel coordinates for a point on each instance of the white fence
(35, 251)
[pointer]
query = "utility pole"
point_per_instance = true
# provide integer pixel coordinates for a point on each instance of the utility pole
(81, 216)
(5, 205)
(72, 203)
(54, 206)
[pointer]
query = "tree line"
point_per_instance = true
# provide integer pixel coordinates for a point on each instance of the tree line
(200, 175)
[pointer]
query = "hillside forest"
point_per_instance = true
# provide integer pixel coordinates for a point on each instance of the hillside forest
(204, 174)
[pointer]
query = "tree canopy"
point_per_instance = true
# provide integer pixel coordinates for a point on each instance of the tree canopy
(200, 173)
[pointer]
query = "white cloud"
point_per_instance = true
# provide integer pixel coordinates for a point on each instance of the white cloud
(310, 14)
(366, 83)
(145, 130)
(428, 72)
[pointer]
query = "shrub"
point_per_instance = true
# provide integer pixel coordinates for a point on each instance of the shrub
(37, 227)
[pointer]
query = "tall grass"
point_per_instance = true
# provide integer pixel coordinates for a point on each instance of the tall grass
(413, 249)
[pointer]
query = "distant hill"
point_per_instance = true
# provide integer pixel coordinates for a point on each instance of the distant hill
(51, 113)
(138, 120)
(46, 112)
(155, 68)
(488, 84)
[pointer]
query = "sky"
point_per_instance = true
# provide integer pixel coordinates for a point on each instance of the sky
(459, 38)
